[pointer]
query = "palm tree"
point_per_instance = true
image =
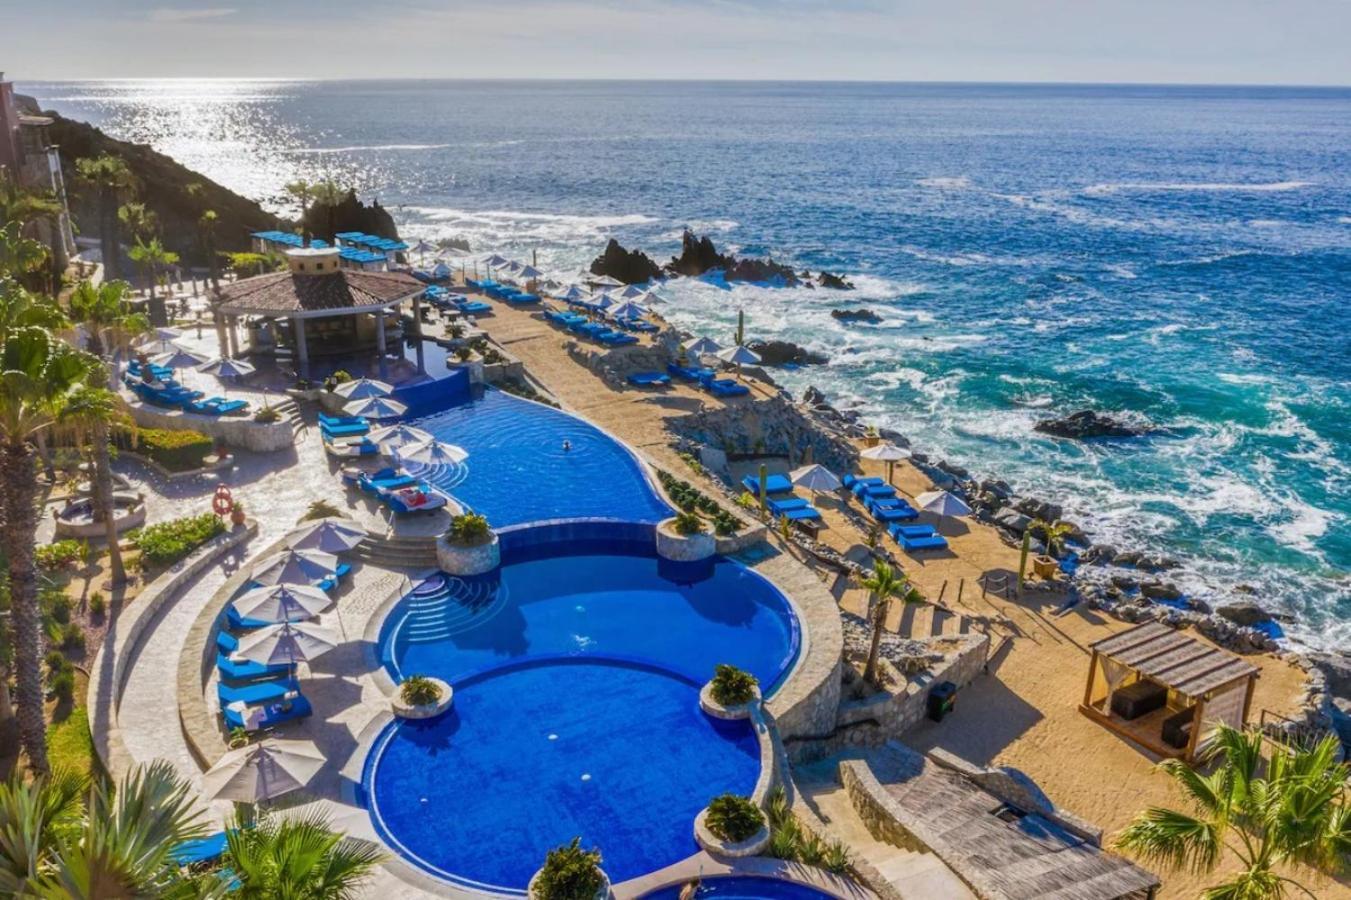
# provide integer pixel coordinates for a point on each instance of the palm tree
(152, 255)
(19, 255)
(302, 192)
(884, 584)
(37, 375)
(1053, 534)
(26, 207)
(111, 177)
(103, 312)
(299, 859)
(116, 844)
(20, 308)
(93, 411)
(1295, 813)
(140, 220)
(206, 233)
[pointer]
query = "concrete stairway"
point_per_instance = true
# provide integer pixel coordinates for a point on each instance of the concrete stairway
(925, 620)
(398, 552)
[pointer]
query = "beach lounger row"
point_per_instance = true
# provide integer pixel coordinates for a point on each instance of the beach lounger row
(708, 380)
(172, 395)
(649, 379)
(398, 490)
(596, 331)
(913, 538)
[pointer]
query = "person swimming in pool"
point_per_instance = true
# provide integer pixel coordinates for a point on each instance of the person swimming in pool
(567, 445)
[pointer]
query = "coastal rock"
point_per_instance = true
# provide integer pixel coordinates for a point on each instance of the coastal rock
(1244, 613)
(628, 266)
(1012, 520)
(861, 314)
(1160, 590)
(1087, 423)
(999, 488)
(697, 256)
(1336, 668)
(778, 353)
(835, 282)
(349, 214)
(762, 270)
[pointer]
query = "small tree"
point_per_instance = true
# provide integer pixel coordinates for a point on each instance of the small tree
(419, 690)
(152, 256)
(569, 873)
(733, 818)
(1295, 813)
(688, 523)
(1053, 534)
(884, 584)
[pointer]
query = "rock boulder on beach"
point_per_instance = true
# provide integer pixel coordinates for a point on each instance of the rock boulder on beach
(861, 314)
(1245, 613)
(1087, 423)
(628, 266)
(778, 353)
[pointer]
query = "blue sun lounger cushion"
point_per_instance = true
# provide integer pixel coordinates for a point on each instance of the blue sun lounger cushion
(899, 531)
(355, 429)
(689, 373)
(874, 490)
(201, 850)
(787, 503)
(725, 387)
(774, 484)
(895, 515)
(256, 694)
(648, 379)
(245, 670)
(274, 714)
(931, 542)
(805, 513)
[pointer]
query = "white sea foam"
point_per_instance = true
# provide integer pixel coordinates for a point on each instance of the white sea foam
(1200, 186)
(955, 182)
(361, 148)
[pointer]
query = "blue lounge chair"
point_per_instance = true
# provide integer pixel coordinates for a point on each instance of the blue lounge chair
(353, 429)
(244, 670)
(850, 480)
(201, 850)
(874, 490)
(335, 421)
(385, 480)
(725, 387)
(899, 531)
(238, 622)
(800, 514)
(932, 542)
(688, 373)
(778, 507)
(904, 514)
(258, 693)
(523, 299)
(774, 484)
(649, 379)
(425, 500)
(274, 714)
(329, 582)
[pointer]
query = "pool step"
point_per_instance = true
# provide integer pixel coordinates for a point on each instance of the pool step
(399, 552)
(459, 608)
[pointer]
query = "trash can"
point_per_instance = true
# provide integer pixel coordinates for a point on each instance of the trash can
(942, 699)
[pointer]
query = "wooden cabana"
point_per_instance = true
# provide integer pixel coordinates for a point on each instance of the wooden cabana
(1161, 688)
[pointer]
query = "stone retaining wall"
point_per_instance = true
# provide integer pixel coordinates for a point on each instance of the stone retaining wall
(240, 432)
(108, 674)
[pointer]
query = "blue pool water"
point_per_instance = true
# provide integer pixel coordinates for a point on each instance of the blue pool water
(533, 755)
(743, 887)
(518, 471)
(595, 603)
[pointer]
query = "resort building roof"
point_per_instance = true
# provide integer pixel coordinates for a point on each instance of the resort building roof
(339, 292)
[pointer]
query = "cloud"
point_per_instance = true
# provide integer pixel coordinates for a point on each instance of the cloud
(171, 15)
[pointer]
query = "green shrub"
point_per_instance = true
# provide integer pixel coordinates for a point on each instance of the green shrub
(58, 555)
(165, 543)
(468, 529)
(61, 683)
(837, 858)
(692, 461)
(320, 509)
(733, 818)
(55, 660)
(725, 524)
(72, 637)
(342, 376)
(732, 686)
(177, 451)
(267, 415)
(418, 690)
(59, 608)
(97, 605)
(570, 873)
(687, 523)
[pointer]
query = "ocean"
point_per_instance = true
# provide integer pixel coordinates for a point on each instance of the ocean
(1181, 255)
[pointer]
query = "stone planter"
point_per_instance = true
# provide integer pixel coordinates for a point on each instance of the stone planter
(426, 711)
(474, 364)
(718, 711)
(76, 521)
(679, 547)
(601, 894)
(464, 560)
(751, 846)
(1045, 566)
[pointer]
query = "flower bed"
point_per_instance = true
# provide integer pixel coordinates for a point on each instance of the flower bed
(177, 451)
(165, 543)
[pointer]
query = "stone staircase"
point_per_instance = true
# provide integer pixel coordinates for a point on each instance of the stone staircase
(398, 552)
(290, 412)
(925, 620)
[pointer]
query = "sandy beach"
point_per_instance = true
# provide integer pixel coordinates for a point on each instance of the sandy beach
(1024, 713)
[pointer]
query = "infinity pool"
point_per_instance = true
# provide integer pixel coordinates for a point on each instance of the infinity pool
(518, 470)
(530, 756)
(613, 603)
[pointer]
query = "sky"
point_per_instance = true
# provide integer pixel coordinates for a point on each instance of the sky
(1158, 41)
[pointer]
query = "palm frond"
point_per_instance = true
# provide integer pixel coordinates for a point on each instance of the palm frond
(1174, 840)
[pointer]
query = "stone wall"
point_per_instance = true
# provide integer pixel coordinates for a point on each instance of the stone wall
(774, 426)
(240, 432)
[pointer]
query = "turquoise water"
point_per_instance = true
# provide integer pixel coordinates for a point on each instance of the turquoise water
(534, 755)
(1178, 254)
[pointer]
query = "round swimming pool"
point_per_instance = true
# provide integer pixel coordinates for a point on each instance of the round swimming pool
(533, 754)
(743, 887)
(617, 602)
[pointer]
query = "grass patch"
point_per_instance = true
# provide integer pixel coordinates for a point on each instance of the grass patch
(69, 743)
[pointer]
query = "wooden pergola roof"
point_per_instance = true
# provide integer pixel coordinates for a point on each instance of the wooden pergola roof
(1174, 660)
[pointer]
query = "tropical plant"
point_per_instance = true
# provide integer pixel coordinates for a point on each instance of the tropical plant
(26, 206)
(266, 415)
(884, 585)
(419, 690)
(302, 192)
(177, 451)
(468, 528)
(37, 375)
(110, 176)
(297, 859)
(320, 509)
(1053, 534)
(20, 308)
(1291, 811)
(206, 236)
(152, 256)
(732, 686)
(20, 256)
(104, 312)
(688, 523)
(733, 817)
(116, 844)
(94, 411)
(569, 873)
(139, 219)
(165, 543)
(740, 336)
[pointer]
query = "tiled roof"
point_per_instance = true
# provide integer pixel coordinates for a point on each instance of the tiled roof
(285, 292)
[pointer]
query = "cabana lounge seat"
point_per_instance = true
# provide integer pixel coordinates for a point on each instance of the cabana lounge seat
(774, 484)
(257, 693)
(932, 542)
(1177, 728)
(649, 379)
(274, 714)
(1136, 700)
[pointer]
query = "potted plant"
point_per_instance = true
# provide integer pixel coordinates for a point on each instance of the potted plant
(421, 697)
(685, 538)
(731, 825)
(237, 513)
(267, 415)
(731, 694)
(570, 873)
(870, 437)
(468, 547)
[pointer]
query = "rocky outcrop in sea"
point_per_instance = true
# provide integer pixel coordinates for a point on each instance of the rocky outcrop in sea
(781, 353)
(349, 214)
(1087, 423)
(628, 266)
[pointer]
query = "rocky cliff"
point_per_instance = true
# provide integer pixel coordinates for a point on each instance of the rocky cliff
(324, 221)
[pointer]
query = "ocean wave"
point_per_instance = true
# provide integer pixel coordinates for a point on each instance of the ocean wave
(359, 148)
(1198, 186)
(953, 182)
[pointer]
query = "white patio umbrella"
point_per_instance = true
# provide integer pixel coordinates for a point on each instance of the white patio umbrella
(441, 270)
(650, 297)
(328, 536)
(888, 453)
(496, 261)
(363, 389)
(295, 567)
(168, 333)
(575, 292)
(528, 273)
(287, 643)
(605, 280)
(423, 247)
(815, 478)
(629, 309)
(262, 771)
(375, 408)
(701, 346)
(738, 355)
(631, 292)
(942, 503)
(604, 301)
(282, 603)
(178, 358)
(394, 436)
(431, 452)
(225, 367)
